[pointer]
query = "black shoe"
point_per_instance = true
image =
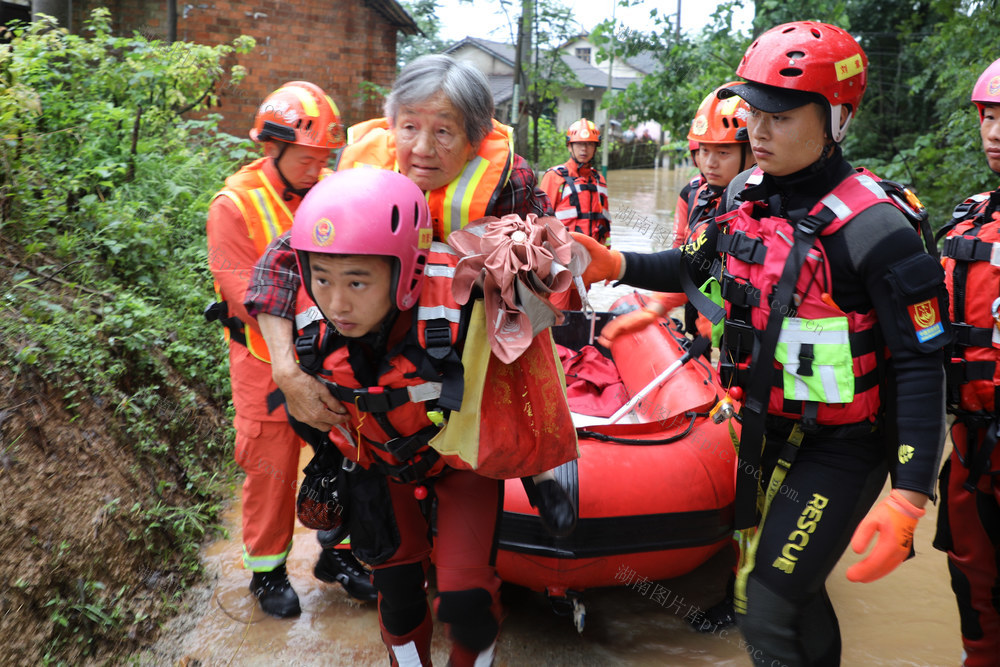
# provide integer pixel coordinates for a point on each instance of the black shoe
(339, 566)
(718, 616)
(275, 593)
(555, 508)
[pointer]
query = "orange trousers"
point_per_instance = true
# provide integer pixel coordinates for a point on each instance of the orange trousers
(269, 454)
(268, 451)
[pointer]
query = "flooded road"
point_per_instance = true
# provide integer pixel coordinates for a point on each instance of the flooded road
(907, 618)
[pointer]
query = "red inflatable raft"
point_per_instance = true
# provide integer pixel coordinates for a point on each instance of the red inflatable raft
(654, 491)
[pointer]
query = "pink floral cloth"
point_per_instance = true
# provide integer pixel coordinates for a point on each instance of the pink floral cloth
(518, 263)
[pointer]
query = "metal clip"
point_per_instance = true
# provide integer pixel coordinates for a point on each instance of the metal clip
(723, 410)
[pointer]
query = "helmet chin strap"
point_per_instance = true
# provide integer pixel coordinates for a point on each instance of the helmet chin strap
(290, 192)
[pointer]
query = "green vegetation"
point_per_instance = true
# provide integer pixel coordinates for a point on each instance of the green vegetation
(915, 125)
(103, 195)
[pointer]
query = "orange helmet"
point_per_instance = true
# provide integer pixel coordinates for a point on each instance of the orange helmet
(720, 121)
(583, 130)
(299, 113)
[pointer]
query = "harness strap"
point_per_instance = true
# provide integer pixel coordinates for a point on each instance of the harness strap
(219, 312)
(977, 455)
(759, 388)
(743, 247)
(413, 450)
(967, 335)
(965, 249)
(748, 541)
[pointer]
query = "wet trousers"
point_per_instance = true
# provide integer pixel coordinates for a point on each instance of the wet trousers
(971, 536)
(783, 609)
(464, 556)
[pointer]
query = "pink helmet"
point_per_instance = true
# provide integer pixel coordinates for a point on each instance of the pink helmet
(987, 88)
(367, 212)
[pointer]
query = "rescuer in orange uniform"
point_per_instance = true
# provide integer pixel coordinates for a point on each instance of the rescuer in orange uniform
(298, 125)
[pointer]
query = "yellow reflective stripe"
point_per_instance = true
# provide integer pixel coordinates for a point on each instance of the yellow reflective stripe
(832, 366)
(264, 563)
(236, 200)
(307, 100)
(460, 192)
(267, 214)
(279, 202)
(333, 105)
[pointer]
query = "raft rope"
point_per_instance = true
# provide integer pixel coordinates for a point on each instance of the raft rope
(603, 437)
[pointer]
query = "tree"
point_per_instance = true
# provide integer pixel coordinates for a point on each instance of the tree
(428, 40)
(689, 67)
(547, 73)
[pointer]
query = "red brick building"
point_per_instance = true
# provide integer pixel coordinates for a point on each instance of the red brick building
(336, 44)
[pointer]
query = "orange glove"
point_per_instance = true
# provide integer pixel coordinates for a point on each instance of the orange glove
(605, 264)
(895, 519)
(637, 320)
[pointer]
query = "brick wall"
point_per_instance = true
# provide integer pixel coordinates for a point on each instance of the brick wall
(336, 44)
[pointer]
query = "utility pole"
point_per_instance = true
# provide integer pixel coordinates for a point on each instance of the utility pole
(523, 49)
(607, 113)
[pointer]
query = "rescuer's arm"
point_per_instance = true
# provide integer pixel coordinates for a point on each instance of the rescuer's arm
(907, 289)
(308, 400)
(271, 298)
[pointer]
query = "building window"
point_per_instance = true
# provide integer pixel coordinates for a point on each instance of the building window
(587, 109)
(583, 53)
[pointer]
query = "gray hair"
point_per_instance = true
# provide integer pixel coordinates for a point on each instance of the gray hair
(464, 85)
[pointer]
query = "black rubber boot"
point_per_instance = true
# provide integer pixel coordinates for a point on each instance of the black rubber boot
(555, 508)
(716, 617)
(339, 566)
(275, 593)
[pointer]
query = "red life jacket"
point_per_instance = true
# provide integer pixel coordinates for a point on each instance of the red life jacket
(971, 253)
(756, 251)
(391, 416)
(582, 204)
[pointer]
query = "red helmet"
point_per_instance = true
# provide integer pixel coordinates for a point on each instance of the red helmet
(367, 212)
(583, 130)
(810, 57)
(299, 113)
(987, 88)
(720, 121)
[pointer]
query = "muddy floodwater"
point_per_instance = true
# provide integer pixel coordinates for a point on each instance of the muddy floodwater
(907, 618)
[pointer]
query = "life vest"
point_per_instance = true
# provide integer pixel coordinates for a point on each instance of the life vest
(582, 204)
(826, 364)
(682, 214)
(397, 413)
(469, 197)
(971, 253)
(266, 216)
(971, 259)
(703, 203)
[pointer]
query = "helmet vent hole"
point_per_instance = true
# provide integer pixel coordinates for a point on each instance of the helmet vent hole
(309, 125)
(725, 122)
(795, 54)
(816, 33)
(787, 30)
(416, 214)
(790, 71)
(298, 124)
(394, 221)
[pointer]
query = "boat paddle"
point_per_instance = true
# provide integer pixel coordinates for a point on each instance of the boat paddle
(697, 349)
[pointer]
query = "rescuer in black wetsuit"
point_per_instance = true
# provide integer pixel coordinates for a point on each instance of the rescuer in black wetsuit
(821, 273)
